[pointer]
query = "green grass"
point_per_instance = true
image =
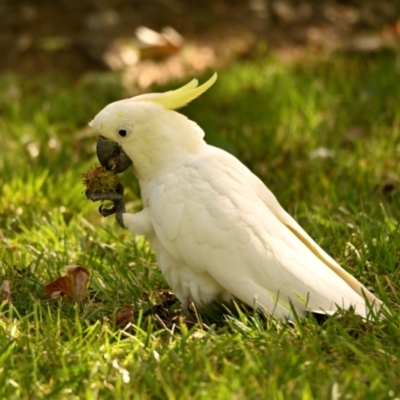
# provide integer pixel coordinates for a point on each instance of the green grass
(273, 116)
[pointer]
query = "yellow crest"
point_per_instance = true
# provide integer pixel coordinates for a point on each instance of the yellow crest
(180, 97)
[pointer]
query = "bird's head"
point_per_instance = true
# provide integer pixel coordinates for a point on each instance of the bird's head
(129, 128)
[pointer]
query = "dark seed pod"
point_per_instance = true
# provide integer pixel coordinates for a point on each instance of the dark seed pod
(99, 180)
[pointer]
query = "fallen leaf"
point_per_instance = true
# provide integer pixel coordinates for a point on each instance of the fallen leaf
(72, 285)
(6, 292)
(124, 317)
(126, 52)
(156, 45)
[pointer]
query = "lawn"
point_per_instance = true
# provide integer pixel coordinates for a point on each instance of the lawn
(325, 138)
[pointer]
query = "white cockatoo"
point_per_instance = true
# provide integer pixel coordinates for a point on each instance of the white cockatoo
(218, 232)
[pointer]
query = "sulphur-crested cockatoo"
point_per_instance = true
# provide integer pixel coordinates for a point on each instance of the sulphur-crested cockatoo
(218, 232)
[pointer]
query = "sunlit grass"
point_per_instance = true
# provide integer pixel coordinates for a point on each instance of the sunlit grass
(324, 136)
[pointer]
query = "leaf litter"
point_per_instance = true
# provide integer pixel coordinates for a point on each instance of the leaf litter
(72, 285)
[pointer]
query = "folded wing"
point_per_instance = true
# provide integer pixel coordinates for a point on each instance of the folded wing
(215, 216)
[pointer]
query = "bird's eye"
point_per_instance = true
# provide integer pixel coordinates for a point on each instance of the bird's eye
(124, 130)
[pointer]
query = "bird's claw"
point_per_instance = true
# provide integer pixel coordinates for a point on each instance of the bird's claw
(117, 197)
(106, 212)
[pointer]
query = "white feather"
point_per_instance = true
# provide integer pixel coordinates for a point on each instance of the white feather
(242, 243)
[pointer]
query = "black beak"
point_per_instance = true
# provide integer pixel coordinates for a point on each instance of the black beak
(111, 155)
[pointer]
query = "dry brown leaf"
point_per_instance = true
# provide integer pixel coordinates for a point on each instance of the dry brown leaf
(125, 317)
(125, 52)
(6, 292)
(72, 285)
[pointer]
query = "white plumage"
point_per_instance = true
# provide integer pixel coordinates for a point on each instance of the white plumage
(217, 230)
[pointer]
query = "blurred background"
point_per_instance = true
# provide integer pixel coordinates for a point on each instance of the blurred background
(154, 41)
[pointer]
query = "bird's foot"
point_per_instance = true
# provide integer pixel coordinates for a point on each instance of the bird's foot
(117, 197)
(185, 305)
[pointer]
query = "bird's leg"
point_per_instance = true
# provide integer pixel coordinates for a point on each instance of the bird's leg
(117, 197)
(185, 306)
(189, 308)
